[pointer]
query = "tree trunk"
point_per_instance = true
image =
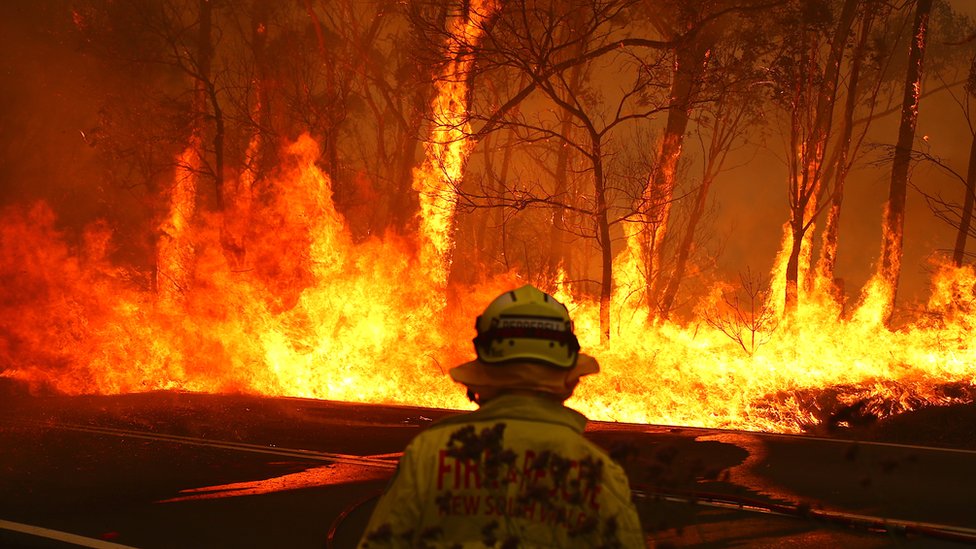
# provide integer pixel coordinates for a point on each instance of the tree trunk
(828, 255)
(658, 195)
(684, 250)
(330, 139)
(557, 231)
(966, 217)
(793, 265)
(808, 185)
(237, 199)
(218, 143)
(501, 243)
(603, 226)
(206, 92)
(449, 146)
(174, 248)
(893, 228)
(797, 184)
(404, 202)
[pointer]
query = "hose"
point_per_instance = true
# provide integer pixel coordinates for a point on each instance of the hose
(337, 522)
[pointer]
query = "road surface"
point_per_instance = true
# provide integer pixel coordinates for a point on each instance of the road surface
(170, 469)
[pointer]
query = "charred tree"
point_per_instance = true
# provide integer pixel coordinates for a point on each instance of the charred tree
(806, 178)
(238, 197)
(841, 165)
(558, 254)
(500, 243)
(603, 237)
(174, 249)
(725, 122)
(208, 91)
(690, 63)
(334, 114)
(966, 214)
(694, 28)
(263, 142)
(684, 250)
(893, 222)
(725, 110)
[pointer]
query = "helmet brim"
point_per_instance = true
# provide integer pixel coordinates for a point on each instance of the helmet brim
(524, 375)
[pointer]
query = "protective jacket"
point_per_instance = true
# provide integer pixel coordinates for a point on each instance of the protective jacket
(515, 473)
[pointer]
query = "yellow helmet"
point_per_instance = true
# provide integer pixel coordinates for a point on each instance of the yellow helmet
(526, 324)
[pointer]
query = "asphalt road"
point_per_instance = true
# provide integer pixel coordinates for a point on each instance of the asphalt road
(184, 470)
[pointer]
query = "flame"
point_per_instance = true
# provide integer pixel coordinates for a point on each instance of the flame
(448, 148)
(174, 250)
(281, 300)
(313, 313)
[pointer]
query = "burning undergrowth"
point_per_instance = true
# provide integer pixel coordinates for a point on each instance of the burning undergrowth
(297, 307)
(306, 312)
(854, 408)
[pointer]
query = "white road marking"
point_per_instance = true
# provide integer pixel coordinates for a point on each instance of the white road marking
(60, 536)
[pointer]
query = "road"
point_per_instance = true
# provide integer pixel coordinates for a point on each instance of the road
(171, 469)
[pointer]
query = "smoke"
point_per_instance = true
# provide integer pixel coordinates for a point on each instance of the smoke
(53, 95)
(46, 105)
(52, 92)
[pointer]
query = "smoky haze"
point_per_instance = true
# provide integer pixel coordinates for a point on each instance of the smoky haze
(49, 98)
(255, 196)
(54, 90)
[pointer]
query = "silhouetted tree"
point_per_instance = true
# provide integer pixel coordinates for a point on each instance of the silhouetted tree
(893, 225)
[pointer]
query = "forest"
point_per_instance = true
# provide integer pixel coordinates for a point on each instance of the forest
(758, 210)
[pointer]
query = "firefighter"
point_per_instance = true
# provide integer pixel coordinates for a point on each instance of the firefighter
(517, 472)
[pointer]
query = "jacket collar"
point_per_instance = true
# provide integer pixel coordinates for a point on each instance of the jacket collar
(526, 407)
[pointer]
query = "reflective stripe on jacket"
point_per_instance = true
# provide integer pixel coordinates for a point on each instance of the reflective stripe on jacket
(515, 473)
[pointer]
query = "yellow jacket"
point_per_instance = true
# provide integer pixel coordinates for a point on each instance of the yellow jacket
(515, 473)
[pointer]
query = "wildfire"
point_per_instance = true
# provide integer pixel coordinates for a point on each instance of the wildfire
(310, 312)
(356, 324)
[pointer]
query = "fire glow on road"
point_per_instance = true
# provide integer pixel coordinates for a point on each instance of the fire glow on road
(814, 483)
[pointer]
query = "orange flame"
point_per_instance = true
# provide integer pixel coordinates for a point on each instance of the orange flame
(174, 251)
(447, 151)
(312, 313)
(304, 310)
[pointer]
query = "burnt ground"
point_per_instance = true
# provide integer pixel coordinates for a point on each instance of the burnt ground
(951, 426)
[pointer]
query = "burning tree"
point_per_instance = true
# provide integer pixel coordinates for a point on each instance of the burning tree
(808, 70)
(842, 158)
(695, 30)
(312, 183)
(893, 228)
(722, 114)
(548, 44)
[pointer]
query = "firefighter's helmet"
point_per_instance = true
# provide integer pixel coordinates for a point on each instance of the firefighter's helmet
(526, 324)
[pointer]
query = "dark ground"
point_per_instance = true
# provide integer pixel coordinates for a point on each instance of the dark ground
(943, 426)
(101, 467)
